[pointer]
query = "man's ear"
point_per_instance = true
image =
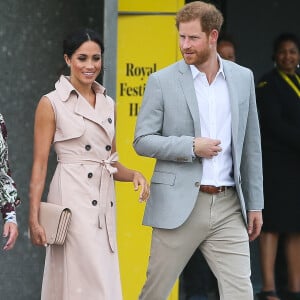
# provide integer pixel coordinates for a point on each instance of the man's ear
(214, 34)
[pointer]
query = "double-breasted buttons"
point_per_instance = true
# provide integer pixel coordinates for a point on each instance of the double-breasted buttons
(90, 175)
(88, 147)
(94, 202)
(109, 120)
(108, 147)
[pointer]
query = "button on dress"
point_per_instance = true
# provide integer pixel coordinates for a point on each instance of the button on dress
(86, 267)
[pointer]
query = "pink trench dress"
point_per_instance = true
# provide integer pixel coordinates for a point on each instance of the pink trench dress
(86, 267)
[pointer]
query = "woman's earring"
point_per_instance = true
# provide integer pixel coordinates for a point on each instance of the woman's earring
(68, 65)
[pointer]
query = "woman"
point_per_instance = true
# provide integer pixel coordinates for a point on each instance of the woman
(278, 99)
(226, 47)
(79, 119)
(9, 199)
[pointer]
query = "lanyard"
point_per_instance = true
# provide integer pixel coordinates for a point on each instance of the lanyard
(291, 83)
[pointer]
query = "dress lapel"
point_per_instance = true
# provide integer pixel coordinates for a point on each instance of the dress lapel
(100, 115)
(104, 113)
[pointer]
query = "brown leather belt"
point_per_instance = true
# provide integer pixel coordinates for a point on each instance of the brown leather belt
(211, 189)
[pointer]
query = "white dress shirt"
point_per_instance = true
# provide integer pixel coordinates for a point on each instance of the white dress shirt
(215, 122)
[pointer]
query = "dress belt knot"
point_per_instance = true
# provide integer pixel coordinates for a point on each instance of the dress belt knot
(107, 163)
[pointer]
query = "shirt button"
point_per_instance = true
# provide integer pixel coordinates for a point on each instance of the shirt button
(109, 120)
(90, 175)
(94, 202)
(108, 147)
(111, 204)
(88, 147)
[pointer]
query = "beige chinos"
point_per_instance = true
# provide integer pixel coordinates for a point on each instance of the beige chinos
(215, 225)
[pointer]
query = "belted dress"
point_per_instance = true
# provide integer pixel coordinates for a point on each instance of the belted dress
(86, 266)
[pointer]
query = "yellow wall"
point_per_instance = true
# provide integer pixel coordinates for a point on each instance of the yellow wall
(146, 43)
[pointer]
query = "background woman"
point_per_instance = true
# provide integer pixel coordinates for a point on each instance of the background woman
(278, 99)
(79, 119)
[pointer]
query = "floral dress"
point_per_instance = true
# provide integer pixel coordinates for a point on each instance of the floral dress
(8, 193)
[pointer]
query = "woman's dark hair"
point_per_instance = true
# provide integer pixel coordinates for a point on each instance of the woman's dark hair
(226, 37)
(75, 39)
(284, 37)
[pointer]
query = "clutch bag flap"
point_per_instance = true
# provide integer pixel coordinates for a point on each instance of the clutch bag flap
(55, 220)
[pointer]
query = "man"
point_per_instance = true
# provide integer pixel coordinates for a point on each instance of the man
(198, 280)
(199, 120)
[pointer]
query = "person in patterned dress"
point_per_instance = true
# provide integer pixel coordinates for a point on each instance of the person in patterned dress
(9, 198)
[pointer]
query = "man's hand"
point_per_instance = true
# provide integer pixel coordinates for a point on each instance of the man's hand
(254, 224)
(206, 147)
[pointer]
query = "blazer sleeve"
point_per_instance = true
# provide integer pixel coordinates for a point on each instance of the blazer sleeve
(150, 139)
(251, 160)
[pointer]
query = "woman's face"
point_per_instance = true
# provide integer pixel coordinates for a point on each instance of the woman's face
(287, 57)
(85, 63)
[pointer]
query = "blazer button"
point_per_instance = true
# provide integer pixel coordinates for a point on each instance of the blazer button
(197, 184)
(90, 175)
(109, 120)
(88, 147)
(108, 147)
(94, 202)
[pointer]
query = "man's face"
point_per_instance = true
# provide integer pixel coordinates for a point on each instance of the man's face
(195, 45)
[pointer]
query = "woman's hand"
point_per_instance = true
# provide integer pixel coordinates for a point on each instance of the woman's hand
(37, 235)
(140, 180)
(10, 233)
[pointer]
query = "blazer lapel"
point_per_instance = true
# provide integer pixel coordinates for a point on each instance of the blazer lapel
(232, 87)
(187, 85)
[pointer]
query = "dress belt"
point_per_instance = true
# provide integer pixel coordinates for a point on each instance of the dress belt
(76, 159)
(211, 189)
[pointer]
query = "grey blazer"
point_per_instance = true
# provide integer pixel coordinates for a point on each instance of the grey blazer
(166, 125)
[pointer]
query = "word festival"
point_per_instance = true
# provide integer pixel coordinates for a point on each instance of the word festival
(138, 88)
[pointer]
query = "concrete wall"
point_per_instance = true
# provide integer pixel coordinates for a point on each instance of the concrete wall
(31, 34)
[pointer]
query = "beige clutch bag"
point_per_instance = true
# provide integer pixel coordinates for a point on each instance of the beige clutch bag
(55, 220)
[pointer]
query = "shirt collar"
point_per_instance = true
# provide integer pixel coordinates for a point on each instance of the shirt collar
(196, 72)
(64, 88)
